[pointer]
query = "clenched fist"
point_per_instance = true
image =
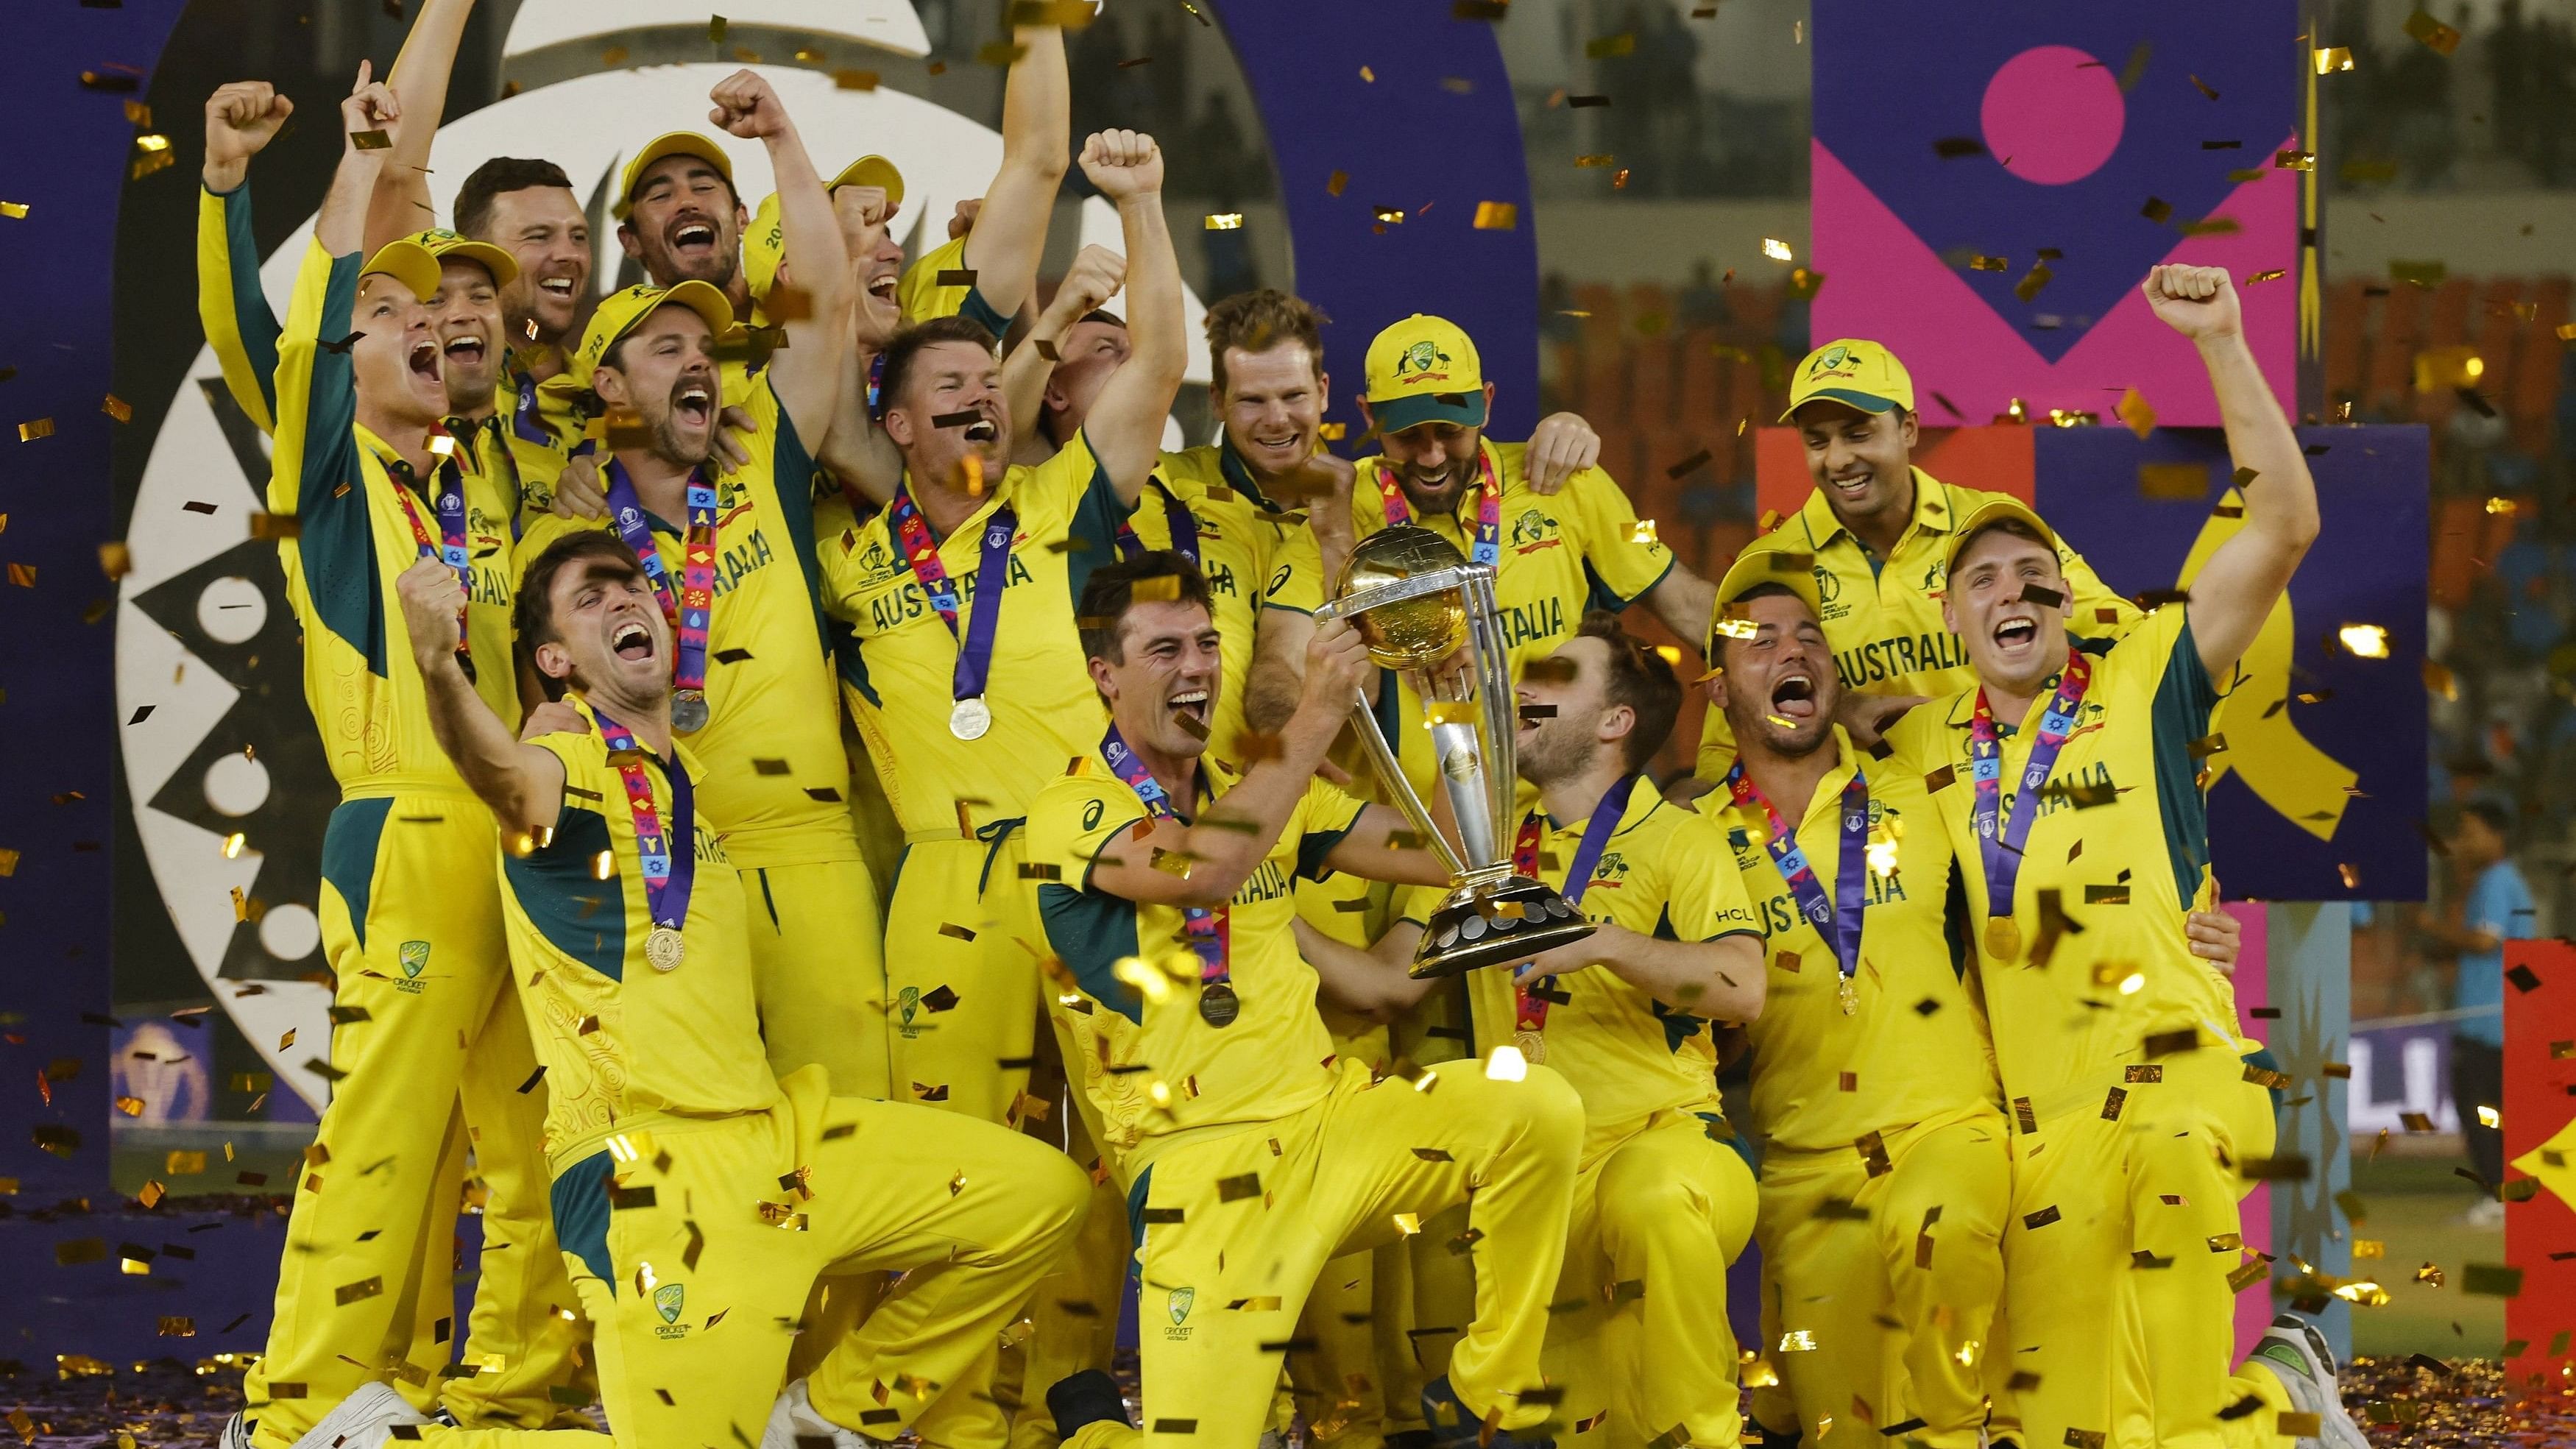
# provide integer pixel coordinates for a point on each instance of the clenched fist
(2198, 302)
(433, 605)
(241, 119)
(747, 107)
(1123, 164)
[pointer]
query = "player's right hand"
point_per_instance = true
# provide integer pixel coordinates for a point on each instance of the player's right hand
(241, 119)
(578, 491)
(371, 105)
(1123, 164)
(1337, 664)
(433, 605)
(1095, 276)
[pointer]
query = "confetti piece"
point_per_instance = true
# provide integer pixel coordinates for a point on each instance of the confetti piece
(31, 431)
(1988, 264)
(1368, 75)
(1390, 216)
(2273, 275)
(371, 140)
(1479, 9)
(15, 210)
(117, 408)
(2366, 641)
(1951, 148)
(2137, 412)
(1610, 46)
(2331, 59)
(1225, 221)
(2437, 37)
(1777, 250)
(1497, 215)
(854, 80)
(2294, 161)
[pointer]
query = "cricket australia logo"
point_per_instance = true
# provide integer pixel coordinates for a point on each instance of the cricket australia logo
(217, 741)
(414, 956)
(1177, 1303)
(907, 1004)
(1832, 359)
(667, 1301)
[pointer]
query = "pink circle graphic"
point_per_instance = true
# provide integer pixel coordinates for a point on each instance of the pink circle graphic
(2053, 114)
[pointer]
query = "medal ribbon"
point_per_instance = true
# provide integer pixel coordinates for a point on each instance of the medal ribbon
(692, 610)
(1178, 522)
(449, 547)
(992, 566)
(2000, 849)
(1529, 1007)
(1488, 548)
(1209, 928)
(523, 416)
(1838, 921)
(669, 874)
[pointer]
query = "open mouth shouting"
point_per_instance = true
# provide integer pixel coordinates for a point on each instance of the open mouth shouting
(428, 375)
(693, 238)
(631, 642)
(2016, 635)
(466, 350)
(693, 404)
(983, 432)
(1192, 705)
(1793, 695)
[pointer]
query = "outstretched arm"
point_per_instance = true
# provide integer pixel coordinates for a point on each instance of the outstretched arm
(1126, 423)
(400, 205)
(1374, 849)
(1037, 139)
(241, 119)
(1721, 979)
(522, 783)
(2236, 589)
(1374, 984)
(806, 371)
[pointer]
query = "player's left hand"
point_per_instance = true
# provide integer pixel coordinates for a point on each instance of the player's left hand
(2215, 938)
(1561, 446)
(2198, 302)
(747, 107)
(962, 220)
(1123, 164)
(1565, 960)
(578, 491)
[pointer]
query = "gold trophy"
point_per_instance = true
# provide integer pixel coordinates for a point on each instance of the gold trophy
(1428, 614)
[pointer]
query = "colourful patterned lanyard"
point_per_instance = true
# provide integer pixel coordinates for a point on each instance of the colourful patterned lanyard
(670, 862)
(970, 717)
(1489, 508)
(449, 547)
(1177, 521)
(1838, 921)
(1210, 929)
(692, 611)
(1530, 998)
(2000, 849)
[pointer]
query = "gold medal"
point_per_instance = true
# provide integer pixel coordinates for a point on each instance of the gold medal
(663, 949)
(1532, 1044)
(2003, 939)
(1849, 995)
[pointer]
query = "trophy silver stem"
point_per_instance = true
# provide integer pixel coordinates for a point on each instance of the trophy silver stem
(1391, 774)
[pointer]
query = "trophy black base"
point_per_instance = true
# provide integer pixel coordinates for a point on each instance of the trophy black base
(1495, 925)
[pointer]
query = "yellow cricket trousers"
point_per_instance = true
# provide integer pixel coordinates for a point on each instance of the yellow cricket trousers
(428, 1029)
(693, 1245)
(2123, 1229)
(818, 969)
(962, 945)
(1880, 1284)
(1638, 1334)
(1237, 1226)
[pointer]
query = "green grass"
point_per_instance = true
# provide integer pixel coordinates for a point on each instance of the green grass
(2414, 1206)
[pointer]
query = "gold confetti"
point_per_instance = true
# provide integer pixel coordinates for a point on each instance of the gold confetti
(371, 140)
(1798, 1340)
(117, 408)
(1497, 215)
(2366, 641)
(2437, 38)
(13, 209)
(2273, 275)
(854, 80)
(2135, 410)
(1390, 216)
(31, 431)
(1778, 251)
(2329, 60)
(1225, 221)
(1368, 75)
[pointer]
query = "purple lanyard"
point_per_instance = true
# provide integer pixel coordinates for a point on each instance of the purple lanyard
(1838, 921)
(670, 861)
(523, 417)
(1177, 521)
(2000, 850)
(690, 609)
(992, 575)
(1209, 928)
(1530, 1000)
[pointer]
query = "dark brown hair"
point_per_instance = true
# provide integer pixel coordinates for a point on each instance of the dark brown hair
(1111, 592)
(1259, 320)
(493, 178)
(1639, 678)
(906, 347)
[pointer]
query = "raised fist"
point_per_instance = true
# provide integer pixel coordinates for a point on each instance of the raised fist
(2198, 302)
(1123, 164)
(241, 119)
(747, 107)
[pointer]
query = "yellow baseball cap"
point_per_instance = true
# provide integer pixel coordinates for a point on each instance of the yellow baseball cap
(669, 143)
(1852, 372)
(1994, 510)
(764, 246)
(406, 261)
(442, 244)
(1756, 567)
(1424, 370)
(621, 312)
(871, 171)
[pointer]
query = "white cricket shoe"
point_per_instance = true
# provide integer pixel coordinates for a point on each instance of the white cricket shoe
(364, 1420)
(2297, 1355)
(793, 1421)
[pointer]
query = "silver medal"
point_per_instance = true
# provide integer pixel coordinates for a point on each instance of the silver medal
(970, 719)
(689, 711)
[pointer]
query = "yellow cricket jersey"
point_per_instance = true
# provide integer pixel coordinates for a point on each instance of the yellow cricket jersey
(541, 427)
(1665, 872)
(522, 449)
(2119, 847)
(898, 658)
(777, 781)
(621, 1041)
(1150, 1065)
(1580, 549)
(353, 540)
(923, 296)
(1238, 537)
(1882, 617)
(1915, 1048)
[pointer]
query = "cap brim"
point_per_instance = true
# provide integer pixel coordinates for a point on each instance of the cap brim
(670, 143)
(1755, 568)
(1986, 515)
(1848, 397)
(503, 266)
(409, 263)
(1395, 414)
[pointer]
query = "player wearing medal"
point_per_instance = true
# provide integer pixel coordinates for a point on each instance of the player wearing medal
(1252, 1156)
(731, 558)
(2082, 837)
(962, 666)
(1873, 531)
(698, 1194)
(1662, 1201)
(429, 1039)
(1873, 1082)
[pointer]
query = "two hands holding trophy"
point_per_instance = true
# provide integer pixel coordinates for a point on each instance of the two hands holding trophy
(1427, 614)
